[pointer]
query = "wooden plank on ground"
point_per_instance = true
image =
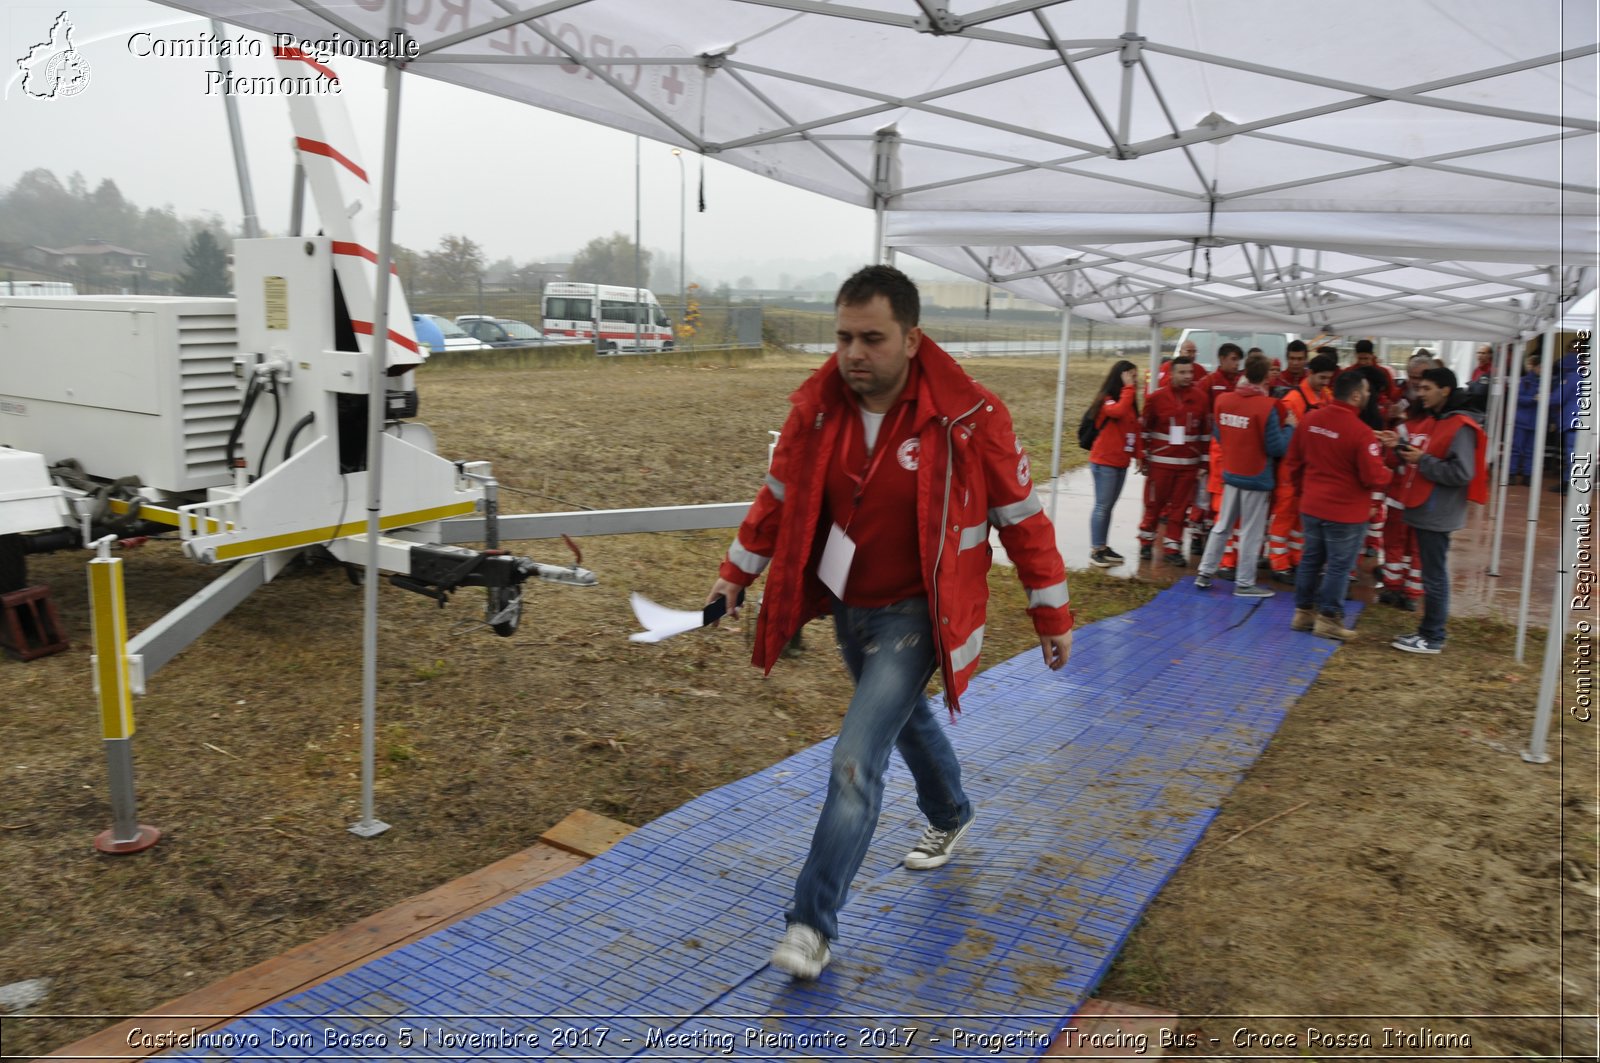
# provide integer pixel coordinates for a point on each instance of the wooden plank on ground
(317, 961)
(586, 833)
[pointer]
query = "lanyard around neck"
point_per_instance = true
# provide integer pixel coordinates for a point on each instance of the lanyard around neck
(886, 436)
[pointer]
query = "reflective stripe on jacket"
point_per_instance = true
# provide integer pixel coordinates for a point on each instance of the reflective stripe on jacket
(1168, 408)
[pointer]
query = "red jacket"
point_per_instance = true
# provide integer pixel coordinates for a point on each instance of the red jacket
(971, 474)
(1249, 435)
(1120, 440)
(1335, 463)
(1217, 383)
(1434, 436)
(1167, 408)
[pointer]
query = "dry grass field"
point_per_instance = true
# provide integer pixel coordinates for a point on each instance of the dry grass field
(1424, 869)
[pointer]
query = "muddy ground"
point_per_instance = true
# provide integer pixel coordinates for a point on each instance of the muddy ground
(1417, 866)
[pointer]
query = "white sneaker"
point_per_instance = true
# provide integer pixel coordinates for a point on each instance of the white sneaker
(802, 953)
(935, 847)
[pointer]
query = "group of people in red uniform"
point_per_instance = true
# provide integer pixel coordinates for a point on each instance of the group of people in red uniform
(1317, 459)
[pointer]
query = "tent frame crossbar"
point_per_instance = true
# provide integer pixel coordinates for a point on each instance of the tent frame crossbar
(1302, 281)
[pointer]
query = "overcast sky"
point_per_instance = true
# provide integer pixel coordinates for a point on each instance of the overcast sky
(522, 182)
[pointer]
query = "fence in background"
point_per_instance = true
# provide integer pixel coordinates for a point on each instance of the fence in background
(728, 322)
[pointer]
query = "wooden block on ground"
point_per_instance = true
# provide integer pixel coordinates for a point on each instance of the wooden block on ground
(586, 833)
(1104, 1029)
(317, 961)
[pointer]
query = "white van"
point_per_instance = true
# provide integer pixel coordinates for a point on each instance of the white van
(1206, 342)
(628, 318)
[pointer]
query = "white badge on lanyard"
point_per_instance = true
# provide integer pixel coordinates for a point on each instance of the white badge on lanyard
(834, 570)
(1175, 434)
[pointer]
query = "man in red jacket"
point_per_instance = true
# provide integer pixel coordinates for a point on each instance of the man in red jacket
(1336, 462)
(1285, 537)
(1366, 355)
(1176, 421)
(892, 467)
(1294, 372)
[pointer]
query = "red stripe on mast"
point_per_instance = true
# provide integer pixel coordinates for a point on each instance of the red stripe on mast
(295, 53)
(317, 147)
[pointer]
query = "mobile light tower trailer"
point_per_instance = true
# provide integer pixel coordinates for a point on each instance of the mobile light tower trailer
(247, 425)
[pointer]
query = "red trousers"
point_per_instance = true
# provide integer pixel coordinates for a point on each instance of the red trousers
(1402, 565)
(1168, 494)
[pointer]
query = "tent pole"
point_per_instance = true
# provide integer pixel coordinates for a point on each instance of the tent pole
(1061, 401)
(885, 164)
(1155, 346)
(1502, 454)
(369, 826)
(1125, 114)
(1494, 412)
(1541, 425)
(1576, 530)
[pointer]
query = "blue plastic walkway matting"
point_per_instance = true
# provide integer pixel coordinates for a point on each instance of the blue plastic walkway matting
(1091, 784)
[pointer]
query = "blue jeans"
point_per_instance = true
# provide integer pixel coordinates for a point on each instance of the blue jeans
(1326, 562)
(891, 656)
(1107, 489)
(1434, 549)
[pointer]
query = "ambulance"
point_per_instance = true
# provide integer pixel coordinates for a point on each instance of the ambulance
(629, 320)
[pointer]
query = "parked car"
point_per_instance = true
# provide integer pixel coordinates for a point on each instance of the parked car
(503, 331)
(450, 336)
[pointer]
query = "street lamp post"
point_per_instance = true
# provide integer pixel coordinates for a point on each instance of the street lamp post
(683, 222)
(638, 249)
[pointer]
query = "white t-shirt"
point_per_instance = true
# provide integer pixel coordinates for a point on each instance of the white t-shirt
(870, 424)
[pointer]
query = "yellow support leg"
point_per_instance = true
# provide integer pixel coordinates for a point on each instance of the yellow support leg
(109, 616)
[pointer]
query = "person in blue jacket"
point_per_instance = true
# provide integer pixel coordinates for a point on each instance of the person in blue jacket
(1522, 441)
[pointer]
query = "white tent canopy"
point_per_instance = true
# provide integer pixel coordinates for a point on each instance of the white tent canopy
(1104, 105)
(1401, 131)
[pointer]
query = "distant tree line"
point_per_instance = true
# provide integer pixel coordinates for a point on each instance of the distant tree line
(41, 210)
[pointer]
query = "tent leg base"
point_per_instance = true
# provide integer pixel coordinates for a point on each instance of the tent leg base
(143, 838)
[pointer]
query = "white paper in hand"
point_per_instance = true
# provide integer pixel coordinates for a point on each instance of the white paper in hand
(659, 622)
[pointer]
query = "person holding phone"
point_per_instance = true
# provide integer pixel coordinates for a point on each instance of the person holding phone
(1442, 467)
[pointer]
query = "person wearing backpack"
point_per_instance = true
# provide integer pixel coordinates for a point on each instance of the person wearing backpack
(1110, 433)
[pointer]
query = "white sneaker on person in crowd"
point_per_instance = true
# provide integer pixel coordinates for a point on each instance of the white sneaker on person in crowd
(1418, 644)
